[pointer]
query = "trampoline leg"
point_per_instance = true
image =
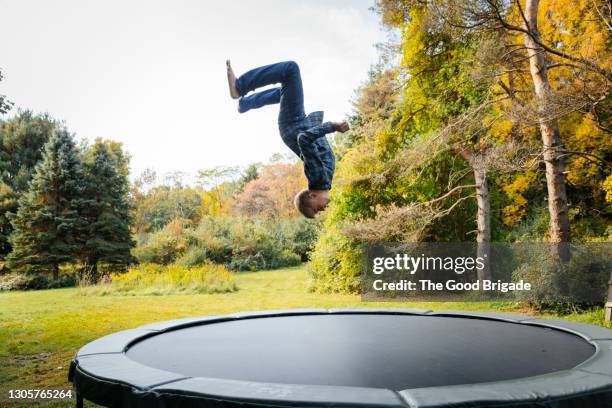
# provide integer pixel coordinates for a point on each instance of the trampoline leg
(79, 401)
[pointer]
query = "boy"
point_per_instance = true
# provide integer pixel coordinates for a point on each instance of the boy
(304, 135)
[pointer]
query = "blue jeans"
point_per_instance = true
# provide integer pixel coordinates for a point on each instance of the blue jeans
(290, 94)
(304, 135)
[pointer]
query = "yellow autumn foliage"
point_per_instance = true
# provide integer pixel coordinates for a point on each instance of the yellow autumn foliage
(515, 190)
(607, 187)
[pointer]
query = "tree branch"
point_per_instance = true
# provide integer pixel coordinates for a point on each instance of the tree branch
(511, 93)
(588, 156)
(450, 192)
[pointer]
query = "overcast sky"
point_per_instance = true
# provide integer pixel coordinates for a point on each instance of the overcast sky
(151, 74)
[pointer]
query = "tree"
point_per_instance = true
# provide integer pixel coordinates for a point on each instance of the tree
(45, 224)
(483, 215)
(5, 104)
(568, 71)
(22, 138)
(175, 179)
(218, 187)
(464, 90)
(413, 179)
(549, 128)
(271, 193)
(249, 174)
(104, 208)
(210, 178)
(158, 206)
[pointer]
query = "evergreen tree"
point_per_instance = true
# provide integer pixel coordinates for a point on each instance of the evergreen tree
(104, 207)
(249, 174)
(22, 139)
(5, 104)
(45, 224)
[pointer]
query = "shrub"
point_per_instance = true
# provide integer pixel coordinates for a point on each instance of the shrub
(576, 285)
(241, 244)
(336, 264)
(299, 236)
(259, 261)
(32, 282)
(533, 228)
(193, 256)
(153, 279)
(161, 247)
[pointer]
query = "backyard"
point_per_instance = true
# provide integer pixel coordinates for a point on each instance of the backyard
(41, 330)
(463, 143)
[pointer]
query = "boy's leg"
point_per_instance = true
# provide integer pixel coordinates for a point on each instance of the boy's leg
(291, 93)
(259, 99)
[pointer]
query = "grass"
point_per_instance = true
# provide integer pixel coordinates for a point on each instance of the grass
(159, 280)
(41, 330)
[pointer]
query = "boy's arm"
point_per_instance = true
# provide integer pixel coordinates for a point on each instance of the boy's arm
(315, 132)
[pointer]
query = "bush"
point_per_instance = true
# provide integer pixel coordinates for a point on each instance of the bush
(533, 228)
(33, 282)
(577, 285)
(260, 261)
(336, 264)
(152, 279)
(241, 244)
(193, 256)
(161, 247)
(299, 236)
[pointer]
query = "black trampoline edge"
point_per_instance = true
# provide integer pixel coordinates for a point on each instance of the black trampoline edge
(101, 373)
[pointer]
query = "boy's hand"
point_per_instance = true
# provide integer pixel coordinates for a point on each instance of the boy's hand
(341, 126)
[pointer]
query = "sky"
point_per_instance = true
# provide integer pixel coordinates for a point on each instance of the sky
(151, 74)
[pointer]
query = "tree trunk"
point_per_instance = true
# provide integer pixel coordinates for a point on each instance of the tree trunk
(483, 221)
(483, 214)
(55, 271)
(549, 128)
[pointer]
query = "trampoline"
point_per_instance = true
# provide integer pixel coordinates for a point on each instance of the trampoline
(349, 358)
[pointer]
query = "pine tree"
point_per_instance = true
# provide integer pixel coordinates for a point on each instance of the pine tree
(47, 218)
(104, 207)
(5, 104)
(22, 139)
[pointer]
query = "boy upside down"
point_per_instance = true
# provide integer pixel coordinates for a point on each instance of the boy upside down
(304, 135)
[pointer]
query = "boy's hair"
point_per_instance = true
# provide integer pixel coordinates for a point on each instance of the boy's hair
(303, 205)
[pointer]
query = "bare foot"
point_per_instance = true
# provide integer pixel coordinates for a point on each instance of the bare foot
(341, 126)
(231, 80)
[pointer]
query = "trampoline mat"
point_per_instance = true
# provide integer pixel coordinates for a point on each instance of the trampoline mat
(370, 350)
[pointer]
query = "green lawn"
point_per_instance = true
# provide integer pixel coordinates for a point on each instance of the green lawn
(41, 330)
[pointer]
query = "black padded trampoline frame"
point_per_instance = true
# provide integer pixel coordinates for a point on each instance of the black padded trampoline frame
(102, 373)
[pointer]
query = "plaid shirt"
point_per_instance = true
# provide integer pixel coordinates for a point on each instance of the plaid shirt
(306, 138)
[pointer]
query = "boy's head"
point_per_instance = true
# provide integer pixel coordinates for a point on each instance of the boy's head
(311, 202)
